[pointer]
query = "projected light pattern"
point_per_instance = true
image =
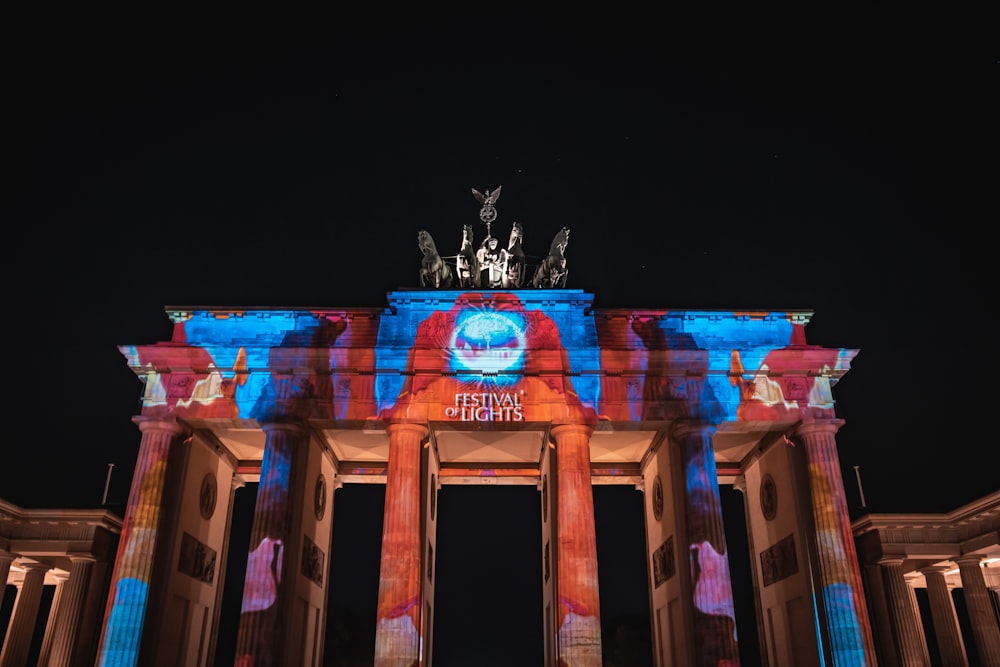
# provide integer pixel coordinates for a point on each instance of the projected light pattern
(489, 342)
(842, 592)
(127, 603)
(260, 619)
(579, 611)
(430, 358)
(720, 367)
(715, 616)
(398, 630)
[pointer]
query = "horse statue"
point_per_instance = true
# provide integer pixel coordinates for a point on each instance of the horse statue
(514, 275)
(552, 272)
(466, 262)
(434, 271)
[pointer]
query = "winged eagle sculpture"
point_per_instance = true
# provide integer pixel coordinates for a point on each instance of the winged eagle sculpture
(487, 213)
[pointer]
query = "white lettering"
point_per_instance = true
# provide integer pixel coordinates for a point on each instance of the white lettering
(491, 407)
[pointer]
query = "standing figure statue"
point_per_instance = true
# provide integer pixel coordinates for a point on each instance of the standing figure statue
(467, 262)
(513, 277)
(552, 272)
(492, 263)
(434, 271)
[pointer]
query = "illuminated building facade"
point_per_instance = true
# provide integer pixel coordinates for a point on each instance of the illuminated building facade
(526, 386)
(71, 553)
(920, 570)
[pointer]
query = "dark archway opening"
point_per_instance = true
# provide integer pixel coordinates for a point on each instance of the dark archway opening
(488, 590)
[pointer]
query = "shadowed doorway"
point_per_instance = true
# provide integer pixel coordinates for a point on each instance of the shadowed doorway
(488, 592)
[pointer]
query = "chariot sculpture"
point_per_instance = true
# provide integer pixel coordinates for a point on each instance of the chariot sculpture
(491, 266)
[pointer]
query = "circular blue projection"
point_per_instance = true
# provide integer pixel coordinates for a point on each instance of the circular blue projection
(487, 341)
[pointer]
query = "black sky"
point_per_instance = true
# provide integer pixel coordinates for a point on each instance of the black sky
(841, 163)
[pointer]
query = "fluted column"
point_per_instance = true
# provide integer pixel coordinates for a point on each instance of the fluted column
(715, 638)
(397, 629)
(579, 621)
(22, 623)
(6, 558)
(50, 625)
(848, 631)
(740, 484)
(946, 628)
(130, 582)
(981, 616)
(236, 482)
(70, 610)
(269, 583)
(909, 649)
(915, 605)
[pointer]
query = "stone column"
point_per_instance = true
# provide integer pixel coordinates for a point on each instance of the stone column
(50, 625)
(24, 616)
(981, 616)
(740, 484)
(848, 636)
(70, 611)
(6, 558)
(915, 605)
(269, 586)
(946, 628)
(397, 629)
(237, 482)
(909, 649)
(579, 618)
(715, 640)
(128, 595)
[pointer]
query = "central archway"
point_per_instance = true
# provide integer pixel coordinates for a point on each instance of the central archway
(488, 592)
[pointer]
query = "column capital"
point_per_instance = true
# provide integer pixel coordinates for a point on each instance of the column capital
(968, 559)
(81, 557)
(169, 424)
(683, 428)
(293, 426)
(238, 481)
(814, 426)
(934, 569)
(416, 427)
(565, 429)
(740, 484)
(33, 566)
(891, 560)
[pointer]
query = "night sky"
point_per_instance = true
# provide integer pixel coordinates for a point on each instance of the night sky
(842, 164)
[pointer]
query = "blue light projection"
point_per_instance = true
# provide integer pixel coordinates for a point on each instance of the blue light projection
(483, 356)
(488, 341)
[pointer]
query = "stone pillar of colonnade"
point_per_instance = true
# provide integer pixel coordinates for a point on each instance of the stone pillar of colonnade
(50, 625)
(67, 611)
(982, 618)
(905, 620)
(714, 616)
(17, 644)
(141, 538)
(847, 636)
(6, 558)
(398, 624)
(236, 482)
(740, 484)
(920, 626)
(951, 646)
(579, 617)
(284, 593)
